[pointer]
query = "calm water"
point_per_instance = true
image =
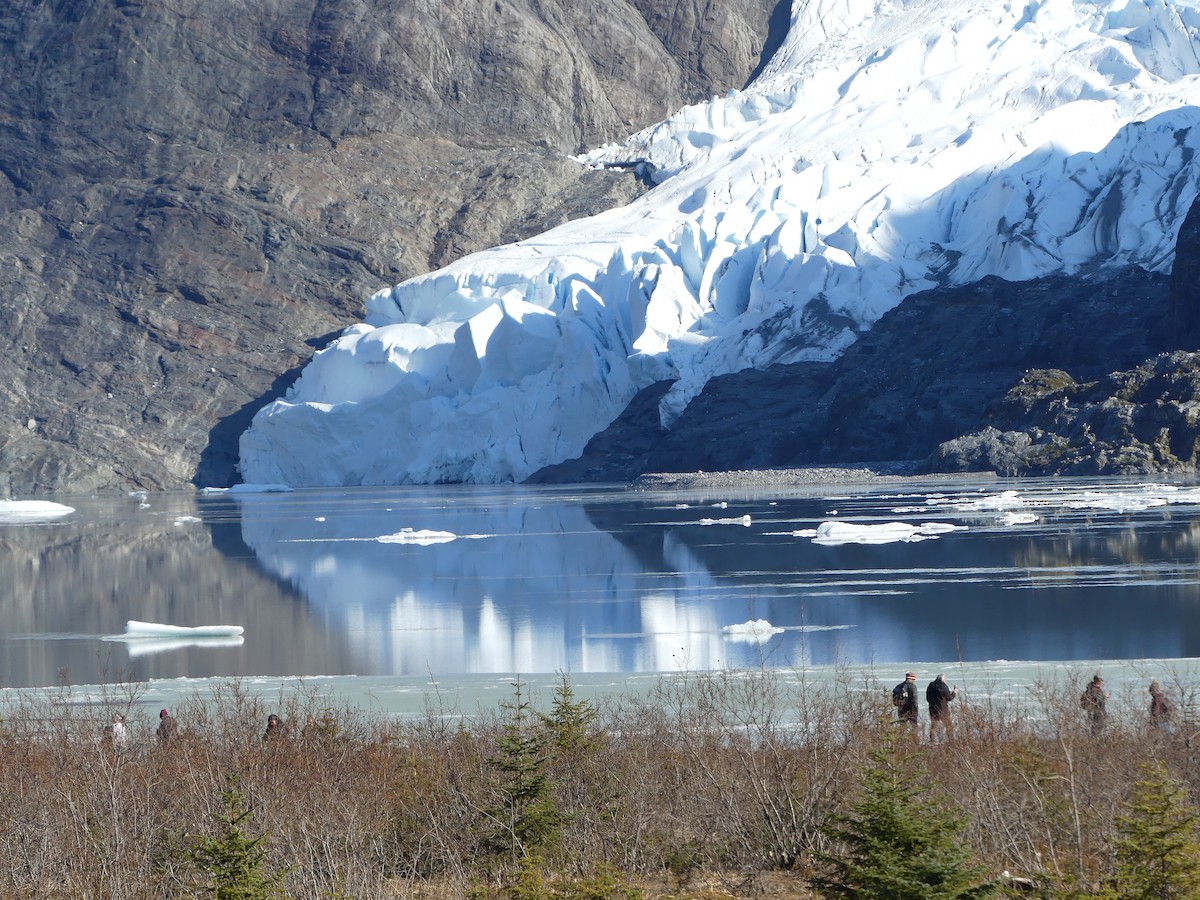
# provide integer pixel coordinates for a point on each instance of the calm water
(599, 580)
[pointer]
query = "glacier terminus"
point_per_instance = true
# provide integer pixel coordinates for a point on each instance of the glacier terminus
(887, 148)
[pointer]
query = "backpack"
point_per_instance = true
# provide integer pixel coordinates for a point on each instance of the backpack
(899, 694)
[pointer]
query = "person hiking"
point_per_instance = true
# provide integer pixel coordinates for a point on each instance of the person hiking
(904, 698)
(117, 733)
(275, 728)
(1094, 701)
(1161, 710)
(167, 727)
(938, 695)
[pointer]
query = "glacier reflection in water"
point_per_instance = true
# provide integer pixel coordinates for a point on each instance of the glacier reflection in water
(462, 580)
(613, 580)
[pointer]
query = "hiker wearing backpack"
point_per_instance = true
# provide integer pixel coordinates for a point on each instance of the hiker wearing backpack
(1162, 713)
(1094, 701)
(938, 695)
(904, 698)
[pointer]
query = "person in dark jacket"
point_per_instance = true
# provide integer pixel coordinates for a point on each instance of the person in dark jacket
(906, 710)
(938, 695)
(166, 727)
(1161, 711)
(1094, 702)
(275, 728)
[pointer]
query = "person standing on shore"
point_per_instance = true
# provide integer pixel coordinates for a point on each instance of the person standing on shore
(275, 728)
(938, 695)
(166, 727)
(119, 735)
(1094, 702)
(1161, 711)
(904, 698)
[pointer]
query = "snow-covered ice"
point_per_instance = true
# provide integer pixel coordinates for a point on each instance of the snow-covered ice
(756, 631)
(831, 533)
(28, 511)
(136, 630)
(146, 638)
(422, 536)
(888, 147)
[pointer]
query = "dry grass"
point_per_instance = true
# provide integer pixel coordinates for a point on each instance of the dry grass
(714, 786)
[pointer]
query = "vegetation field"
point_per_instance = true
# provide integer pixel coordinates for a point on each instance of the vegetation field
(716, 785)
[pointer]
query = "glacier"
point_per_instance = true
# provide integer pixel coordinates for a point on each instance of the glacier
(888, 147)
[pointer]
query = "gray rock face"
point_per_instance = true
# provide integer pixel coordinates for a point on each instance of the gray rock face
(195, 196)
(1142, 421)
(929, 371)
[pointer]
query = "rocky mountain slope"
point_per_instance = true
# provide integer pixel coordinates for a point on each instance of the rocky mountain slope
(195, 196)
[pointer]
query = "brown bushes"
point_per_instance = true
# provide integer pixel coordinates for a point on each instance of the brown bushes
(713, 785)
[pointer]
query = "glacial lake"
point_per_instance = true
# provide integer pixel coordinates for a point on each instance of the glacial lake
(414, 588)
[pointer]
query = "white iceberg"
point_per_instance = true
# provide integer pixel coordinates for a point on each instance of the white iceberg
(830, 533)
(143, 638)
(423, 536)
(14, 512)
(754, 631)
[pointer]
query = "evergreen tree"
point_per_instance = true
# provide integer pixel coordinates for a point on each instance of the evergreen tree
(1157, 851)
(526, 815)
(234, 859)
(898, 843)
(570, 723)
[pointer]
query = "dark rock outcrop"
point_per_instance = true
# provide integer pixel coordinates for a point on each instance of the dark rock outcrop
(195, 196)
(1142, 421)
(930, 370)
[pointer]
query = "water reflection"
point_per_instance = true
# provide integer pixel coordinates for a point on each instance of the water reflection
(471, 580)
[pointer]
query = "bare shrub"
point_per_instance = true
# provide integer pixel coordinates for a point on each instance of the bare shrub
(715, 782)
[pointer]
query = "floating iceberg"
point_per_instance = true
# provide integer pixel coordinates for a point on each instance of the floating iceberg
(884, 533)
(24, 511)
(423, 537)
(135, 630)
(143, 638)
(755, 631)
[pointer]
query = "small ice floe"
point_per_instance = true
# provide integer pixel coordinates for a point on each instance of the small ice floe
(423, 537)
(738, 520)
(186, 520)
(832, 533)
(142, 638)
(754, 631)
(1119, 502)
(25, 511)
(249, 489)
(1017, 518)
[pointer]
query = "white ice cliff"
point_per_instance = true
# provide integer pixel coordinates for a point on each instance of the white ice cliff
(888, 147)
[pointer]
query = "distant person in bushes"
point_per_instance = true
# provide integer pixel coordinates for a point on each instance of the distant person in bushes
(904, 698)
(275, 728)
(1094, 701)
(167, 727)
(938, 695)
(117, 733)
(1162, 713)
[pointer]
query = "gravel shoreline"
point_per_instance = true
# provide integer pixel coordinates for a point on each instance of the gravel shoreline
(800, 475)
